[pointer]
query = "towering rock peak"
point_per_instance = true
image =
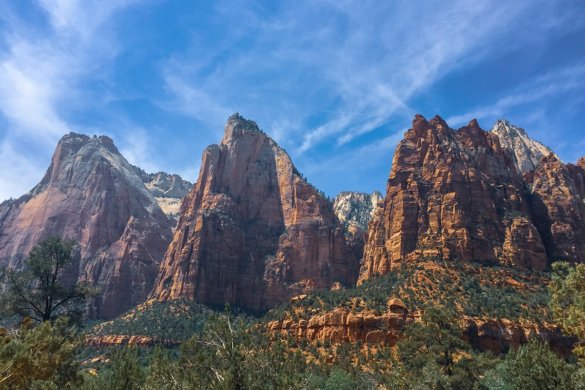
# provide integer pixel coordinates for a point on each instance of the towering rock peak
(252, 231)
(355, 209)
(475, 140)
(526, 152)
(91, 194)
(462, 195)
(439, 122)
(79, 152)
(238, 126)
(474, 125)
(451, 194)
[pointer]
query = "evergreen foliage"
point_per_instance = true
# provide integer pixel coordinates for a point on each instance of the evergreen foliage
(173, 320)
(568, 301)
(534, 366)
(40, 356)
(39, 290)
(434, 355)
(477, 290)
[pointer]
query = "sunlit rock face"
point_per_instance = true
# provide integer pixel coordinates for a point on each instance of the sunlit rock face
(471, 195)
(252, 231)
(92, 195)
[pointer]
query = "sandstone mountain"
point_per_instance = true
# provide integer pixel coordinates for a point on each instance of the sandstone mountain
(460, 195)
(252, 231)
(92, 195)
(526, 152)
(168, 190)
(355, 209)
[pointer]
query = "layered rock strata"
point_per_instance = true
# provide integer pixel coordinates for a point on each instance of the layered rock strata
(558, 204)
(343, 326)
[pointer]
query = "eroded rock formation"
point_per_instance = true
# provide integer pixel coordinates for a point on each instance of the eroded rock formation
(461, 195)
(92, 195)
(253, 232)
(343, 326)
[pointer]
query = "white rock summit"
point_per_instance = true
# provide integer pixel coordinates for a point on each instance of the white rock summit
(527, 152)
(355, 209)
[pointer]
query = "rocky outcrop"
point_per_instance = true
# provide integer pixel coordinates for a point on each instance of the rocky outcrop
(355, 209)
(128, 340)
(523, 245)
(526, 152)
(461, 195)
(92, 195)
(499, 336)
(168, 190)
(252, 231)
(344, 326)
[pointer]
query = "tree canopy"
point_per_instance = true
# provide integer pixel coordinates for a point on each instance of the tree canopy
(39, 290)
(568, 301)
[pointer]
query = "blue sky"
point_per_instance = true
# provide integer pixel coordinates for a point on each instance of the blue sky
(336, 83)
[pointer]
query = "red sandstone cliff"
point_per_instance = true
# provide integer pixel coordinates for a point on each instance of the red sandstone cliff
(92, 195)
(253, 232)
(458, 195)
(558, 200)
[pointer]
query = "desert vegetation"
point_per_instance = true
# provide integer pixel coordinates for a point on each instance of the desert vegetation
(231, 350)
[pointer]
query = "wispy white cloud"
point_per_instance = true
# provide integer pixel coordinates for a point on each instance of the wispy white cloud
(82, 18)
(413, 48)
(324, 78)
(193, 102)
(551, 84)
(371, 59)
(137, 148)
(365, 167)
(17, 167)
(40, 72)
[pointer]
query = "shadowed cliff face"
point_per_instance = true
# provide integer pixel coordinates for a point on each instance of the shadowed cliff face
(558, 200)
(252, 232)
(92, 195)
(459, 195)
